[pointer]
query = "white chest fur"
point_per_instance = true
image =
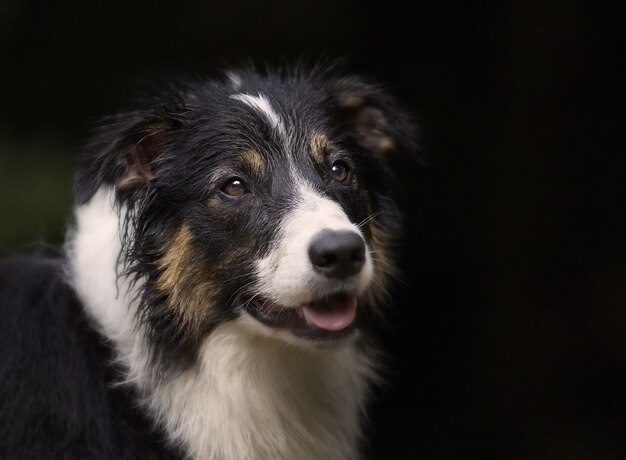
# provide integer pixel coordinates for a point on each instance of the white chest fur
(248, 397)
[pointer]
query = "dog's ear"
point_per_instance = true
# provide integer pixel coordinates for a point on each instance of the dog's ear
(123, 153)
(375, 119)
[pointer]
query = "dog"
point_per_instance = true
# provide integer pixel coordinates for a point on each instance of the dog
(230, 250)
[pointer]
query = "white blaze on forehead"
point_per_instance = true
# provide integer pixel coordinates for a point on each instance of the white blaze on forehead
(262, 105)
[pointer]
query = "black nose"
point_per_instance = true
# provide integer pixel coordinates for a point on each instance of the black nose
(337, 254)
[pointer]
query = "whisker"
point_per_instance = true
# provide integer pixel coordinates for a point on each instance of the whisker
(245, 286)
(381, 251)
(241, 276)
(368, 219)
(382, 286)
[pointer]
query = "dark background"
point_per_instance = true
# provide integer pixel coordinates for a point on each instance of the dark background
(509, 338)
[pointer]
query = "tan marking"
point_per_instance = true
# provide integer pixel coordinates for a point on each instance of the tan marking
(383, 266)
(378, 242)
(350, 101)
(373, 130)
(253, 161)
(383, 144)
(188, 288)
(319, 147)
(349, 94)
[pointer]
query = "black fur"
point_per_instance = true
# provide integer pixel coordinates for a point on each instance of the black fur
(56, 397)
(199, 127)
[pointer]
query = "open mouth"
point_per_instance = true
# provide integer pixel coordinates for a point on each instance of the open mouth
(329, 318)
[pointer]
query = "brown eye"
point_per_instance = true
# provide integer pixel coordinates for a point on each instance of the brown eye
(340, 171)
(235, 188)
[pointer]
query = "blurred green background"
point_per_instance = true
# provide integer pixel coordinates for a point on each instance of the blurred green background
(509, 332)
(36, 187)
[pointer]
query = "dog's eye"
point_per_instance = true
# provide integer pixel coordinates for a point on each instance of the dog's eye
(235, 187)
(340, 171)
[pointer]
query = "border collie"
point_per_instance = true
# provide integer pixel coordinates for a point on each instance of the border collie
(230, 251)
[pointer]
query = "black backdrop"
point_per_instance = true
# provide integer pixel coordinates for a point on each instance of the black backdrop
(509, 337)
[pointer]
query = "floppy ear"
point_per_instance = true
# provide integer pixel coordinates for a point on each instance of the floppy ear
(377, 122)
(122, 153)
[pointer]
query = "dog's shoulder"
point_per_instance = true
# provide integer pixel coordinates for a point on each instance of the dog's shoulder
(35, 301)
(56, 397)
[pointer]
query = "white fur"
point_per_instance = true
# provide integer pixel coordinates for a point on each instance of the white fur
(286, 275)
(93, 249)
(249, 396)
(253, 397)
(263, 106)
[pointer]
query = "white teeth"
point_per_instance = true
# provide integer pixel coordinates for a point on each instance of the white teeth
(305, 314)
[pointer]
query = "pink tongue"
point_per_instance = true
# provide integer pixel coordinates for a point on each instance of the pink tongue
(335, 314)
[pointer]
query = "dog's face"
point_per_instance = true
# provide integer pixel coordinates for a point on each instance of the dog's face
(260, 199)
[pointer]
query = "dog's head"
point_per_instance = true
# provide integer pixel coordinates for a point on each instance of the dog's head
(260, 198)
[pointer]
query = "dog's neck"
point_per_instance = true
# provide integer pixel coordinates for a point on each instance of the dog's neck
(247, 397)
